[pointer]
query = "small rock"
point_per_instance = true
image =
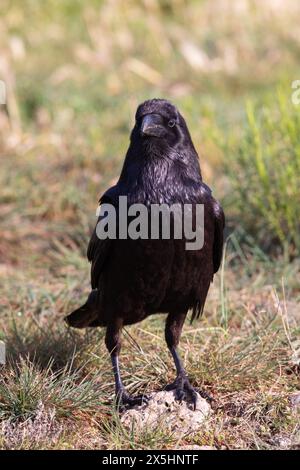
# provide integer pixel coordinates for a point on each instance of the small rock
(284, 442)
(165, 412)
(295, 400)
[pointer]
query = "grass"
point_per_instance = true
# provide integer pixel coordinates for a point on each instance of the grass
(25, 387)
(267, 158)
(75, 74)
(250, 367)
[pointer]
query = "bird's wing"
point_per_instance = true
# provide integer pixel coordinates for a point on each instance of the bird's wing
(98, 249)
(218, 234)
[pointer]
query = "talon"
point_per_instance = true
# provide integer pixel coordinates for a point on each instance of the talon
(125, 401)
(170, 387)
(194, 400)
(205, 395)
(143, 398)
(185, 391)
(179, 394)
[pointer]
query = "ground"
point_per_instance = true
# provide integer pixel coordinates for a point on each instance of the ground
(75, 75)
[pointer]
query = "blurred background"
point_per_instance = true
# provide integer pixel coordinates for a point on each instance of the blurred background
(74, 73)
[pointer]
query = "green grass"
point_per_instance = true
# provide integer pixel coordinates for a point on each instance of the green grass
(76, 74)
(267, 159)
(25, 387)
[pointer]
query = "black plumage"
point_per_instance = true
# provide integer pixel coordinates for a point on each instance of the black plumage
(132, 279)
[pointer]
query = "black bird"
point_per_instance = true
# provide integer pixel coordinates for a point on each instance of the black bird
(132, 279)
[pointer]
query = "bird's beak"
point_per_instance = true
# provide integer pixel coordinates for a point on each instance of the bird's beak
(152, 125)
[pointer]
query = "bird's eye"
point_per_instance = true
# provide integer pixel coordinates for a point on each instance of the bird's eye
(171, 123)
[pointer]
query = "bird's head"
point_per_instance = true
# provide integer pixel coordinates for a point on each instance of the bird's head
(160, 145)
(159, 123)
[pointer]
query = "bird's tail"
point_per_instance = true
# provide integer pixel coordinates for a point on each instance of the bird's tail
(198, 307)
(85, 315)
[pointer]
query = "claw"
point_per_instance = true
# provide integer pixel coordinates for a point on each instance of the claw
(125, 401)
(205, 395)
(194, 398)
(185, 391)
(170, 386)
(179, 394)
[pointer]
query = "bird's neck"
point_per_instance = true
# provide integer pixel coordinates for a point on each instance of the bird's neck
(159, 179)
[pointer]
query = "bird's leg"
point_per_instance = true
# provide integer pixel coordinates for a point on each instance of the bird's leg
(181, 385)
(113, 344)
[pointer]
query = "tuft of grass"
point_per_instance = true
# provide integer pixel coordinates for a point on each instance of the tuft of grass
(135, 438)
(24, 387)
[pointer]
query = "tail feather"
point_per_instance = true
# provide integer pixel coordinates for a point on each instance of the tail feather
(198, 307)
(86, 314)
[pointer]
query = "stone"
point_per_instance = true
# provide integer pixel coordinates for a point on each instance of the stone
(295, 400)
(166, 413)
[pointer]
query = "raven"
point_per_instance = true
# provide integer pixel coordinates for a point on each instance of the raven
(134, 278)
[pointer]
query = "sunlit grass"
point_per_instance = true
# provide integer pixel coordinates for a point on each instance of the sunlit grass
(264, 170)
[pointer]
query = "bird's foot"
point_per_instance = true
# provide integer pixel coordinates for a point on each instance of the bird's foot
(185, 391)
(126, 401)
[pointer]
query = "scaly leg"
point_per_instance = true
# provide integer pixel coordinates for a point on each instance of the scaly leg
(181, 385)
(113, 344)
